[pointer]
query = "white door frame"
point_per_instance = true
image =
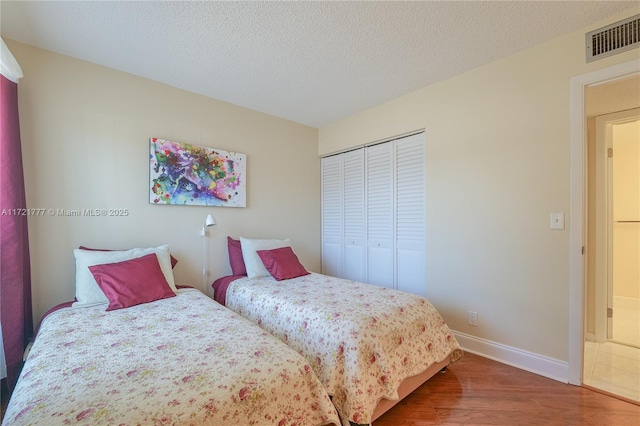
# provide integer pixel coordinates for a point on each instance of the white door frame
(577, 207)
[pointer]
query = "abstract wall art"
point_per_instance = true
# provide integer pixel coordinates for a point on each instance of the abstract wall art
(185, 174)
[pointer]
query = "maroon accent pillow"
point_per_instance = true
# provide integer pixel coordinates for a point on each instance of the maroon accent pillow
(282, 263)
(174, 261)
(132, 282)
(235, 257)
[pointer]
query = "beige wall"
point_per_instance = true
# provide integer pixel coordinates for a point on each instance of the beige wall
(85, 132)
(626, 206)
(498, 163)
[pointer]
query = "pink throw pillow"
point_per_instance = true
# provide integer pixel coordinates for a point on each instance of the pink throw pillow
(282, 263)
(235, 257)
(174, 261)
(132, 282)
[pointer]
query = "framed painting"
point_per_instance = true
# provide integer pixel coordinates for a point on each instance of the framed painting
(185, 174)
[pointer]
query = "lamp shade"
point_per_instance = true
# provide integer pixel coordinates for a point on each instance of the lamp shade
(210, 221)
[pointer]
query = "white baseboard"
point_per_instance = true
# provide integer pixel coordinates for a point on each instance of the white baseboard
(528, 361)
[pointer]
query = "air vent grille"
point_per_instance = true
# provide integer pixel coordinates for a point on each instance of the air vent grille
(612, 39)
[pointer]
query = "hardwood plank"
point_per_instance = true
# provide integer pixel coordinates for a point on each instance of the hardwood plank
(479, 391)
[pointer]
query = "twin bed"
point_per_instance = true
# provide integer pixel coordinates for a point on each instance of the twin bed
(184, 360)
(343, 352)
(370, 346)
(181, 359)
(362, 341)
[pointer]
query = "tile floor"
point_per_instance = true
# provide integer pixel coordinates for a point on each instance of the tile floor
(613, 368)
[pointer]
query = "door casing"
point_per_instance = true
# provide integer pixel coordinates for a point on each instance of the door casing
(577, 189)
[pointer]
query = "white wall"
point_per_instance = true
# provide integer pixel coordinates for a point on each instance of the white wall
(498, 163)
(85, 131)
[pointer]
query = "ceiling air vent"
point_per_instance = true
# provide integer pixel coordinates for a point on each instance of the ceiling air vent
(614, 38)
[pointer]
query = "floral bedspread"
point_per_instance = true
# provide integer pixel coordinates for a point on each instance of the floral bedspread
(361, 340)
(185, 360)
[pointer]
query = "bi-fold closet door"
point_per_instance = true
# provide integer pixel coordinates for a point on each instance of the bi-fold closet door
(343, 216)
(373, 211)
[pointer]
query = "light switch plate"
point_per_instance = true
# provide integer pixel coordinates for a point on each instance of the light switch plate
(556, 221)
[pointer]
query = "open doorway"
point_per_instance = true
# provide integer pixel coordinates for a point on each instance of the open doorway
(623, 289)
(612, 338)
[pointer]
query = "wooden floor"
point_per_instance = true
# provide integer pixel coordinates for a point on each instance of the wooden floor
(478, 391)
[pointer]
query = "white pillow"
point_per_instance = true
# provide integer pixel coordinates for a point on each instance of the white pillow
(87, 291)
(252, 262)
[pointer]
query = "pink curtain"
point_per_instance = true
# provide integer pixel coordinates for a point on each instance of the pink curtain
(15, 272)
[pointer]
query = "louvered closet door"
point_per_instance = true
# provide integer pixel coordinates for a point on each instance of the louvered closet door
(353, 214)
(332, 216)
(410, 214)
(380, 201)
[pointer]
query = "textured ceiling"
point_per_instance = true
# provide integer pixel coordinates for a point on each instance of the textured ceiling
(310, 62)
